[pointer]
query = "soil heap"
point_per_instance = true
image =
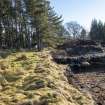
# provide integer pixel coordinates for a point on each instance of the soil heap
(86, 71)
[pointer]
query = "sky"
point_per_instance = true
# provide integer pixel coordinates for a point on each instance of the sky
(82, 11)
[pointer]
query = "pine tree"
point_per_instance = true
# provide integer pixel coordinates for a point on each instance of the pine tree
(93, 31)
(97, 31)
(54, 27)
(83, 34)
(26, 23)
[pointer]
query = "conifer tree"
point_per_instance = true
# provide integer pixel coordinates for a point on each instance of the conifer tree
(26, 23)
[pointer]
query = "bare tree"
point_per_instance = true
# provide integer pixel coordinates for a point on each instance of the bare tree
(74, 29)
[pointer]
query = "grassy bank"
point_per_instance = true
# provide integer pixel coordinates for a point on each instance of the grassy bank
(33, 78)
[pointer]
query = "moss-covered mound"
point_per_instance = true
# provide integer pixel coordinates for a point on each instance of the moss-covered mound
(32, 78)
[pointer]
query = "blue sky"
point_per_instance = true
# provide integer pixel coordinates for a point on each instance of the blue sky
(82, 11)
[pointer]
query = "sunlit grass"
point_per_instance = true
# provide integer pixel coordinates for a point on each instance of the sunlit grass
(34, 76)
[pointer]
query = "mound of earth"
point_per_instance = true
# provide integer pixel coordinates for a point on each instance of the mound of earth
(81, 47)
(72, 43)
(86, 61)
(80, 52)
(32, 78)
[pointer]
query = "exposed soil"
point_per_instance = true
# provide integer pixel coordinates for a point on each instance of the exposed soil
(86, 59)
(93, 82)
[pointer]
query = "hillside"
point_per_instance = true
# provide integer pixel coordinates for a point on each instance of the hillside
(32, 78)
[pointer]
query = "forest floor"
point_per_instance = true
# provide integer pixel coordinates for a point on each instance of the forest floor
(32, 78)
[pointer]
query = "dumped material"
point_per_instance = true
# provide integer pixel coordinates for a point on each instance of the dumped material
(79, 52)
(86, 69)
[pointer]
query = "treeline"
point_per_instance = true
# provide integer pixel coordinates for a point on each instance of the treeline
(97, 31)
(76, 31)
(28, 23)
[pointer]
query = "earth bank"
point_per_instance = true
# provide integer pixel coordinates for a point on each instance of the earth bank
(33, 78)
(86, 70)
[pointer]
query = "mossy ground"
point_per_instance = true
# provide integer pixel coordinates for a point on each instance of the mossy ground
(33, 77)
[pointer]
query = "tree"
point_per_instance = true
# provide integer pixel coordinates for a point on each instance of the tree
(101, 34)
(74, 29)
(26, 23)
(97, 31)
(53, 33)
(83, 34)
(93, 31)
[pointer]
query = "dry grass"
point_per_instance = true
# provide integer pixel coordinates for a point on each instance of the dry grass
(33, 78)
